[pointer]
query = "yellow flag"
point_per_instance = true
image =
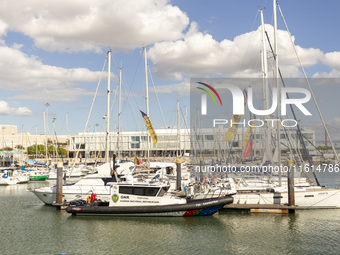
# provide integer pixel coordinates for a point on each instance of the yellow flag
(232, 130)
(246, 136)
(236, 118)
(150, 127)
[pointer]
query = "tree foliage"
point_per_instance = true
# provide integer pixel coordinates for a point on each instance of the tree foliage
(324, 147)
(41, 149)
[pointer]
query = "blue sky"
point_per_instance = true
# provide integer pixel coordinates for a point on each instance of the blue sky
(54, 52)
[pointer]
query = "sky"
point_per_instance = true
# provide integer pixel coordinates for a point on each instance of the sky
(54, 52)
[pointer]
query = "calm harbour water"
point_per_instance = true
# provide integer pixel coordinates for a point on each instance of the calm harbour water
(29, 227)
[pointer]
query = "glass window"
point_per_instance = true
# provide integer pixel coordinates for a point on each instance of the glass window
(163, 191)
(151, 191)
(135, 139)
(134, 145)
(235, 144)
(138, 191)
(209, 137)
(125, 190)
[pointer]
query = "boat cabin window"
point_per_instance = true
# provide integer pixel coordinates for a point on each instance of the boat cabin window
(163, 191)
(169, 170)
(139, 191)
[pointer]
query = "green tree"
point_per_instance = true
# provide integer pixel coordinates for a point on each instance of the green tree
(41, 149)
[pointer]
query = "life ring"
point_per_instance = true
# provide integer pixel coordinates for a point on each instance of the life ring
(5, 175)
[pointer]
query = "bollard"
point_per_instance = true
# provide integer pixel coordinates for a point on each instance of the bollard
(291, 192)
(179, 174)
(201, 169)
(59, 184)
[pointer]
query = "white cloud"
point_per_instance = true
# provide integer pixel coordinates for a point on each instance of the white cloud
(5, 109)
(331, 59)
(200, 55)
(182, 89)
(85, 25)
(31, 79)
(3, 28)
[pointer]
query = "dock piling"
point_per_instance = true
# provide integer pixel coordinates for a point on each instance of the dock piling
(59, 185)
(179, 174)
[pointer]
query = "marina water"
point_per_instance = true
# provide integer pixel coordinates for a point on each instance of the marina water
(29, 227)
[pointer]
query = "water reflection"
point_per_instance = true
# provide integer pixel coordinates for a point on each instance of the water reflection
(38, 229)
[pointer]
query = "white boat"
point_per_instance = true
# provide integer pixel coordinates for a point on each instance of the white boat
(76, 172)
(93, 183)
(10, 177)
(305, 197)
(147, 199)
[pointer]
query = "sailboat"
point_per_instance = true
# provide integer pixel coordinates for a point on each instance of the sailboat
(94, 183)
(281, 189)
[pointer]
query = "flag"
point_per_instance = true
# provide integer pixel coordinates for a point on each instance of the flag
(150, 127)
(247, 136)
(232, 129)
(236, 118)
(137, 161)
(247, 150)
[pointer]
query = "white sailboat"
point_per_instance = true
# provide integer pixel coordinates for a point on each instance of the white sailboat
(261, 190)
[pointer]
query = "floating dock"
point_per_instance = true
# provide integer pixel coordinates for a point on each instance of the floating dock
(261, 208)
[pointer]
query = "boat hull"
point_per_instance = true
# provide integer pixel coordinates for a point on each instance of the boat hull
(309, 199)
(73, 192)
(201, 207)
(38, 177)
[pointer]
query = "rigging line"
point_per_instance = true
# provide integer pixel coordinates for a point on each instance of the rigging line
(159, 104)
(312, 144)
(291, 108)
(88, 117)
(113, 100)
(130, 94)
(310, 87)
(133, 79)
(247, 50)
(185, 121)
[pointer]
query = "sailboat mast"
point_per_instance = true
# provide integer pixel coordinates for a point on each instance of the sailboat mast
(147, 99)
(276, 78)
(178, 131)
(267, 155)
(119, 112)
(108, 107)
(67, 138)
(44, 115)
